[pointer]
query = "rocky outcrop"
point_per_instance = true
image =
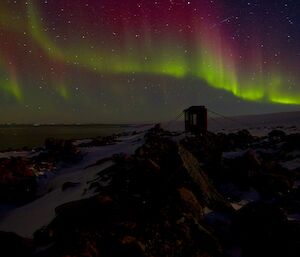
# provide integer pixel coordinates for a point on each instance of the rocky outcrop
(14, 246)
(210, 195)
(173, 197)
(150, 208)
(262, 230)
(17, 180)
(58, 150)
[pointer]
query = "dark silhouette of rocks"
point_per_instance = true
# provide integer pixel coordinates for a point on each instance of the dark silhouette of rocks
(15, 246)
(17, 180)
(214, 195)
(58, 150)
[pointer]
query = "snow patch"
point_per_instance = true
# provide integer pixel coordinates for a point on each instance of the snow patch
(27, 219)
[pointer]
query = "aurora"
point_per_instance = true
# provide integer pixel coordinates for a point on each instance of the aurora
(46, 43)
(212, 65)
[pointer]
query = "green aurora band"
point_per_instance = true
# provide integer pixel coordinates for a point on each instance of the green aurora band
(9, 83)
(211, 64)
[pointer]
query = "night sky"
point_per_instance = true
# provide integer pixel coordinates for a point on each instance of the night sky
(109, 61)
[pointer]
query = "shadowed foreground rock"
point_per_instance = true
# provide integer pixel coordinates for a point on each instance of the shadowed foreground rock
(150, 208)
(210, 195)
(15, 246)
(174, 198)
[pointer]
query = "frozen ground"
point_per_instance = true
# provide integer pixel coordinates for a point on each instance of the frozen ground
(27, 219)
(257, 124)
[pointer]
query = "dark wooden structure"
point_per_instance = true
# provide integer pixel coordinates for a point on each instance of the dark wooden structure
(195, 119)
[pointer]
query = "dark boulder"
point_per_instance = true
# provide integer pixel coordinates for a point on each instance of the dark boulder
(68, 185)
(210, 196)
(58, 150)
(12, 245)
(272, 185)
(277, 135)
(17, 180)
(262, 230)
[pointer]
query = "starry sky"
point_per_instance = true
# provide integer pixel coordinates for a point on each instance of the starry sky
(116, 61)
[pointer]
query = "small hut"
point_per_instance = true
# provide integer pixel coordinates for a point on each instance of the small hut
(196, 119)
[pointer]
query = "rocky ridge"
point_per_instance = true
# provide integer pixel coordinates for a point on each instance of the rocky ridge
(210, 195)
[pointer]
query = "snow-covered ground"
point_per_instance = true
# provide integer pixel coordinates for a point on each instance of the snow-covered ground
(258, 125)
(27, 219)
(18, 154)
